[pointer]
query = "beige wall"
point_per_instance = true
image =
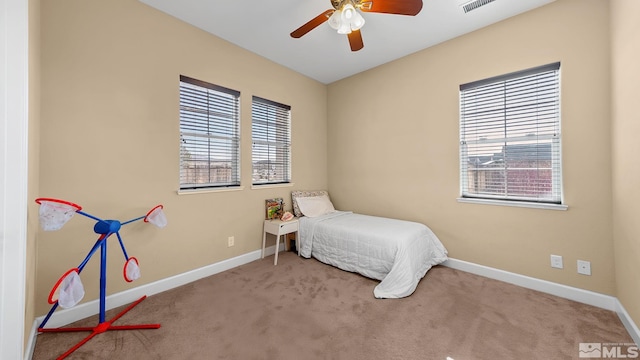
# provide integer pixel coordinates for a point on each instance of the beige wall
(110, 139)
(625, 53)
(393, 150)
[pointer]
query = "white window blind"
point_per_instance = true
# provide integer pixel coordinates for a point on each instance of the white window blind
(510, 137)
(209, 135)
(271, 139)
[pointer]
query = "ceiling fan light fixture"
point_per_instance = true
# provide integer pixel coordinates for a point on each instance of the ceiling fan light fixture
(357, 21)
(345, 28)
(346, 19)
(334, 20)
(348, 12)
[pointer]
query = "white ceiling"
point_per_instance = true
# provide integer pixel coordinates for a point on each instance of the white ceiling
(263, 27)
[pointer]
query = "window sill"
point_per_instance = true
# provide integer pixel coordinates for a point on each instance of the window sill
(209, 190)
(531, 205)
(271, 186)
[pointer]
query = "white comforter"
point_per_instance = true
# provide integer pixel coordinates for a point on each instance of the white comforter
(397, 252)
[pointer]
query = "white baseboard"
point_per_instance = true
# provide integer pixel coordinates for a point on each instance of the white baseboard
(31, 344)
(583, 296)
(628, 323)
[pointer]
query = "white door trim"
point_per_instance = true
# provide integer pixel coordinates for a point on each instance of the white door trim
(14, 118)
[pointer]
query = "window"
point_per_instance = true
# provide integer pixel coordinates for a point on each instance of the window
(271, 139)
(510, 137)
(209, 135)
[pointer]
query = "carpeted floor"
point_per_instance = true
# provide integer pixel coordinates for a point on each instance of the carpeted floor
(303, 309)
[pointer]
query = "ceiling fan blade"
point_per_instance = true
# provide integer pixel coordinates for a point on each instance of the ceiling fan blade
(399, 7)
(312, 24)
(355, 40)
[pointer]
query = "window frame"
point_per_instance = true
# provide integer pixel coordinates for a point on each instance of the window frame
(496, 95)
(216, 122)
(270, 127)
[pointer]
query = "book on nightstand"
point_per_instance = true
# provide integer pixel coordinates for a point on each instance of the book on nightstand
(274, 208)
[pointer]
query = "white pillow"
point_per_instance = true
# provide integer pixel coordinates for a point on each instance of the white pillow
(314, 206)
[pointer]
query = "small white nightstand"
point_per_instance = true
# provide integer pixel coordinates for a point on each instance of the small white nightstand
(278, 227)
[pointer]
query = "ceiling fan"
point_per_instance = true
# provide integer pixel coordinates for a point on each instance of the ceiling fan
(345, 18)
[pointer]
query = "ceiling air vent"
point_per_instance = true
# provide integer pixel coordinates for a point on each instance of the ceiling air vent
(472, 5)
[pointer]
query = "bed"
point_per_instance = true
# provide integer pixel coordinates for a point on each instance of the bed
(397, 252)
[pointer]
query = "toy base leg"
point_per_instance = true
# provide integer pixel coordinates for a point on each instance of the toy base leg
(100, 328)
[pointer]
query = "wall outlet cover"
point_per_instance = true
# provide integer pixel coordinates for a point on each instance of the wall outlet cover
(556, 261)
(584, 267)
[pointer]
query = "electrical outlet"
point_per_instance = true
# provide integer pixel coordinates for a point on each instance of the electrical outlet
(231, 241)
(556, 261)
(584, 267)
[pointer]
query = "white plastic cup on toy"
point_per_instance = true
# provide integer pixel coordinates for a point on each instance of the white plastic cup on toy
(54, 213)
(68, 291)
(156, 217)
(131, 270)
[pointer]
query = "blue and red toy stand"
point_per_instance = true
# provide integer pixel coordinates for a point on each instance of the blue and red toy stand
(68, 290)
